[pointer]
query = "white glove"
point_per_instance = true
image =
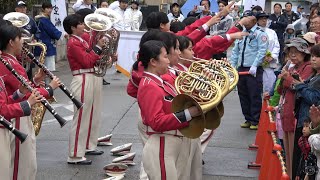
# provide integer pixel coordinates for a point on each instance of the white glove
(253, 71)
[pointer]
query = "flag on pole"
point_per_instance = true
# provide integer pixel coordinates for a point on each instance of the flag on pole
(128, 48)
(58, 14)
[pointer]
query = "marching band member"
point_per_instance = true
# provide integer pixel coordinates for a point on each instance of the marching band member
(88, 33)
(10, 107)
(23, 155)
(164, 140)
(159, 20)
(85, 86)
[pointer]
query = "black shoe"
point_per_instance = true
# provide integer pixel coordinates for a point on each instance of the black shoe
(85, 162)
(95, 152)
(105, 82)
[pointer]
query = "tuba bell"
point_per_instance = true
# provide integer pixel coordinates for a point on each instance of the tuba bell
(99, 25)
(112, 32)
(20, 20)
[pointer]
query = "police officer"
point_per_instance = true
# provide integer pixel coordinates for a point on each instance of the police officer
(247, 55)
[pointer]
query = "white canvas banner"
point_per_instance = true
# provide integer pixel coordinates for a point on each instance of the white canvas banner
(58, 14)
(128, 48)
(248, 4)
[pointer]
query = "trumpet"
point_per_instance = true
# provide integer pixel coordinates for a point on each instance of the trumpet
(7, 124)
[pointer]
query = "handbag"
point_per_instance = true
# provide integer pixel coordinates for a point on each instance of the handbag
(310, 165)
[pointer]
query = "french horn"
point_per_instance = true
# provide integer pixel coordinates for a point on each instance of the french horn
(200, 90)
(111, 14)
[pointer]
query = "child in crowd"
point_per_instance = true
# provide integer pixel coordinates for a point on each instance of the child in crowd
(290, 33)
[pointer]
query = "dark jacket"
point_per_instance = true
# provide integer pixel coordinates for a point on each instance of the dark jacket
(278, 24)
(307, 94)
(291, 18)
(198, 14)
(48, 35)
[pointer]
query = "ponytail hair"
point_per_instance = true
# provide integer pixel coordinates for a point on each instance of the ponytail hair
(149, 50)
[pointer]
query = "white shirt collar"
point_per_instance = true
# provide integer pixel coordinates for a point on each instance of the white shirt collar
(151, 74)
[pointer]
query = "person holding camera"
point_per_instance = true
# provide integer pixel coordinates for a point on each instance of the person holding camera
(299, 55)
(202, 10)
(81, 4)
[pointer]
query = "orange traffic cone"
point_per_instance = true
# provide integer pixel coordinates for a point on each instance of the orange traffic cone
(263, 125)
(275, 168)
(267, 153)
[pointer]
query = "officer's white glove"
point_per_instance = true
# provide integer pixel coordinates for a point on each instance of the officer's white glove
(253, 71)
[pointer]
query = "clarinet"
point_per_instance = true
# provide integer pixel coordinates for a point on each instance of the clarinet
(7, 124)
(44, 101)
(76, 102)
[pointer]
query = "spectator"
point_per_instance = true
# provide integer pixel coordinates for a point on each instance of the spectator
(31, 27)
(314, 141)
(189, 20)
(205, 4)
(177, 26)
(122, 24)
(307, 94)
(81, 4)
(289, 14)
(133, 16)
(310, 37)
(114, 5)
(289, 33)
(298, 53)
(225, 23)
(305, 149)
(235, 14)
(175, 14)
(315, 23)
(103, 4)
(247, 55)
(270, 61)
(48, 34)
(278, 24)
(299, 10)
(256, 9)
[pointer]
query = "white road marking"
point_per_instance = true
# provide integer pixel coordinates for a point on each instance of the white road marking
(51, 121)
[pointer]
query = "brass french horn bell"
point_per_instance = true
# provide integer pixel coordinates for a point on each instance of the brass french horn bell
(198, 90)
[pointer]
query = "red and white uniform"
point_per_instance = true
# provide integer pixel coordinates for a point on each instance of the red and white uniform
(87, 87)
(195, 30)
(23, 156)
(164, 139)
(9, 108)
(206, 47)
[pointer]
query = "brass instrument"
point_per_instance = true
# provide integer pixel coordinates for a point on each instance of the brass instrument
(115, 37)
(20, 20)
(99, 24)
(200, 90)
(219, 74)
(113, 33)
(38, 110)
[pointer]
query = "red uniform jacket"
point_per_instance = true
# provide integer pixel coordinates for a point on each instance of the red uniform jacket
(195, 31)
(134, 81)
(206, 47)
(170, 77)
(10, 107)
(79, 56)
(287, 116)
(155, 99)
(12, 83)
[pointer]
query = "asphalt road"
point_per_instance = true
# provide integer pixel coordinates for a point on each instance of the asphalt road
(226, 157)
